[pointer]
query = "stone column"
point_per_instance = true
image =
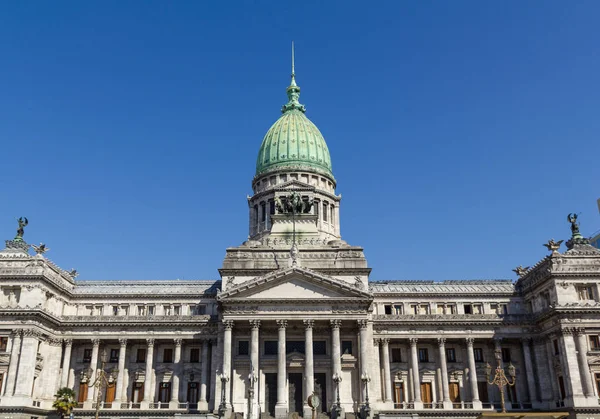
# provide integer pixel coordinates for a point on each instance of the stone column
(526, 343)
(148, 378)
(414, 362)
(281, 407)
(121, 373)
(387, 372)
(203, 403)
(64, 379)
(15, 352)
(309, 372)
(556, 396)
(364, 353)
(473, 374)
(254, 362)
(444, 373)
(543, 376)
(174, 403)
(91, 396)
(584, 368)
(336, 355)
(228, 324)
(571, 369)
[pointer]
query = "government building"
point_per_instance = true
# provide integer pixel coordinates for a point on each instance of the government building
(294, 327)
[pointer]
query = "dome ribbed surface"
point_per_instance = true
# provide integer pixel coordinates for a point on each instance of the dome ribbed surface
(294, 142)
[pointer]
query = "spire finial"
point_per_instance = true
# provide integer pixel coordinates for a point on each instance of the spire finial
(293, 90)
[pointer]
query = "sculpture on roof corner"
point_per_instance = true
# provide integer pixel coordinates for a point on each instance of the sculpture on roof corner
(293, 204)
(552, 245)
(21, 230)
(41, 249)
(521, 271)
(572, 218)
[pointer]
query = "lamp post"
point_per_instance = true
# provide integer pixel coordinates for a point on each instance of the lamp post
(252, 378)
(337, 379)
(366, 408)
(103, 380)
(223, 406)
(500, 378)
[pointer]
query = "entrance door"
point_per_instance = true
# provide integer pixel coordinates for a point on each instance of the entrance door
(295, 393)
(454, 392)
(164, 395)
(426, 394)
(482, 386)
(137, 394)
(109, 397)
(321, 390)
(192, 395)
(398, 393)
(270, 393)
(83, 391)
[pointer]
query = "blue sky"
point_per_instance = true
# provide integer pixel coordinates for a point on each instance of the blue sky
(461, 133)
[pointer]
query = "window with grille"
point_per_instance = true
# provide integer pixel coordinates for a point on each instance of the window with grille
(450, 355)
(388, 309)
(594, 342)
(478, 354)
(114, 355)
(319, 347)
(505, 355)
(270, 347)
(347, 347)
(294, 346)
(87, 355)
(3, 344)
(423, 355)
(243, 347)
(195, 355)
(141, 355)
(396, 355)
(585, 292)
(168, 355)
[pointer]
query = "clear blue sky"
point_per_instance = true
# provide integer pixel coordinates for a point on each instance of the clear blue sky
(461, 133)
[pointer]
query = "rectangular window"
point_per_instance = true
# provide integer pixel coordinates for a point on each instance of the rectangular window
(505, 354)
(423, 355)
(397, 309)
(151, 310)
(114, 355)
(3, 344)
(270, 347)
(99, 310)
(141, 310)
(319, 347)
(124, 310)
(325, 212)
(414, 308)
(167, 310)
(478, 354)
(396, 355)
(195, 355)
(177, 310)
(199, 310)
(556, 350)
(141, 355)
(168, 355)
(450, 309)
(243, 347)
(585, 292)
(115, 310)
(494, 308)
(424, 309)
(87, 355)
(440, 309)
(468, 308)
(387, 309)
(504, 308)
(594, 342)
(477, 309)
(294, 346)
(347, 347)
(597, 379)
(450, 355)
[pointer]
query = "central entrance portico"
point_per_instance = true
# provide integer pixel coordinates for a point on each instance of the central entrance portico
(288, 324)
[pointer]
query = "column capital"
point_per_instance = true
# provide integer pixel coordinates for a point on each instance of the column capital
(309, 324)
(54, 342)
(470, 341)
(32, 333)
(150, 342)
(178, 341)
(335, 324)
(281, 324)
(228, 324)
(254, 324)
(567, 331)
(385, 341)
(16, 333)
(362, 324)
(526, 340)
(441, 341)
(376, 341)
(96, 342)
(68, 342)
(578, 331)
(123, 342)
(413, 341)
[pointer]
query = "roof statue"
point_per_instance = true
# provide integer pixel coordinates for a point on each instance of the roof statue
(41, 249)
(21, 230)
(576, 238)
(520, 270)
(552, 245)
(572, 218)
(293, 204)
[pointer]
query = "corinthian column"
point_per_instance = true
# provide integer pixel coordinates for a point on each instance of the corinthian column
(64, 379)
(584, 368)
(121, 373)
(93, 367)
(228, 324)
(414, 363)
(203, 404)
(254, 351)
(309, 373)
(473, 374)
(526, 343)
(148, 377)
(14, 363)
(387, 373)
(174, 402)
(281, 407)
(444, 372)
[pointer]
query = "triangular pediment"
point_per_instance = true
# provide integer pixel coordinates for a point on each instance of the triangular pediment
(294, 284)
(294, 184)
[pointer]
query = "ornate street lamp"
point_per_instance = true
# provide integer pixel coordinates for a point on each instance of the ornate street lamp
(337, 379)
(366, 408)
(223, 406)
(500, 378)
(103, 380)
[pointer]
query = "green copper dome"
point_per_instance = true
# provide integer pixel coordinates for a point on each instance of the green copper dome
(294, 142)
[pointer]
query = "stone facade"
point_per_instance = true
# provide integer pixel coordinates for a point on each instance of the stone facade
(295, 314)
